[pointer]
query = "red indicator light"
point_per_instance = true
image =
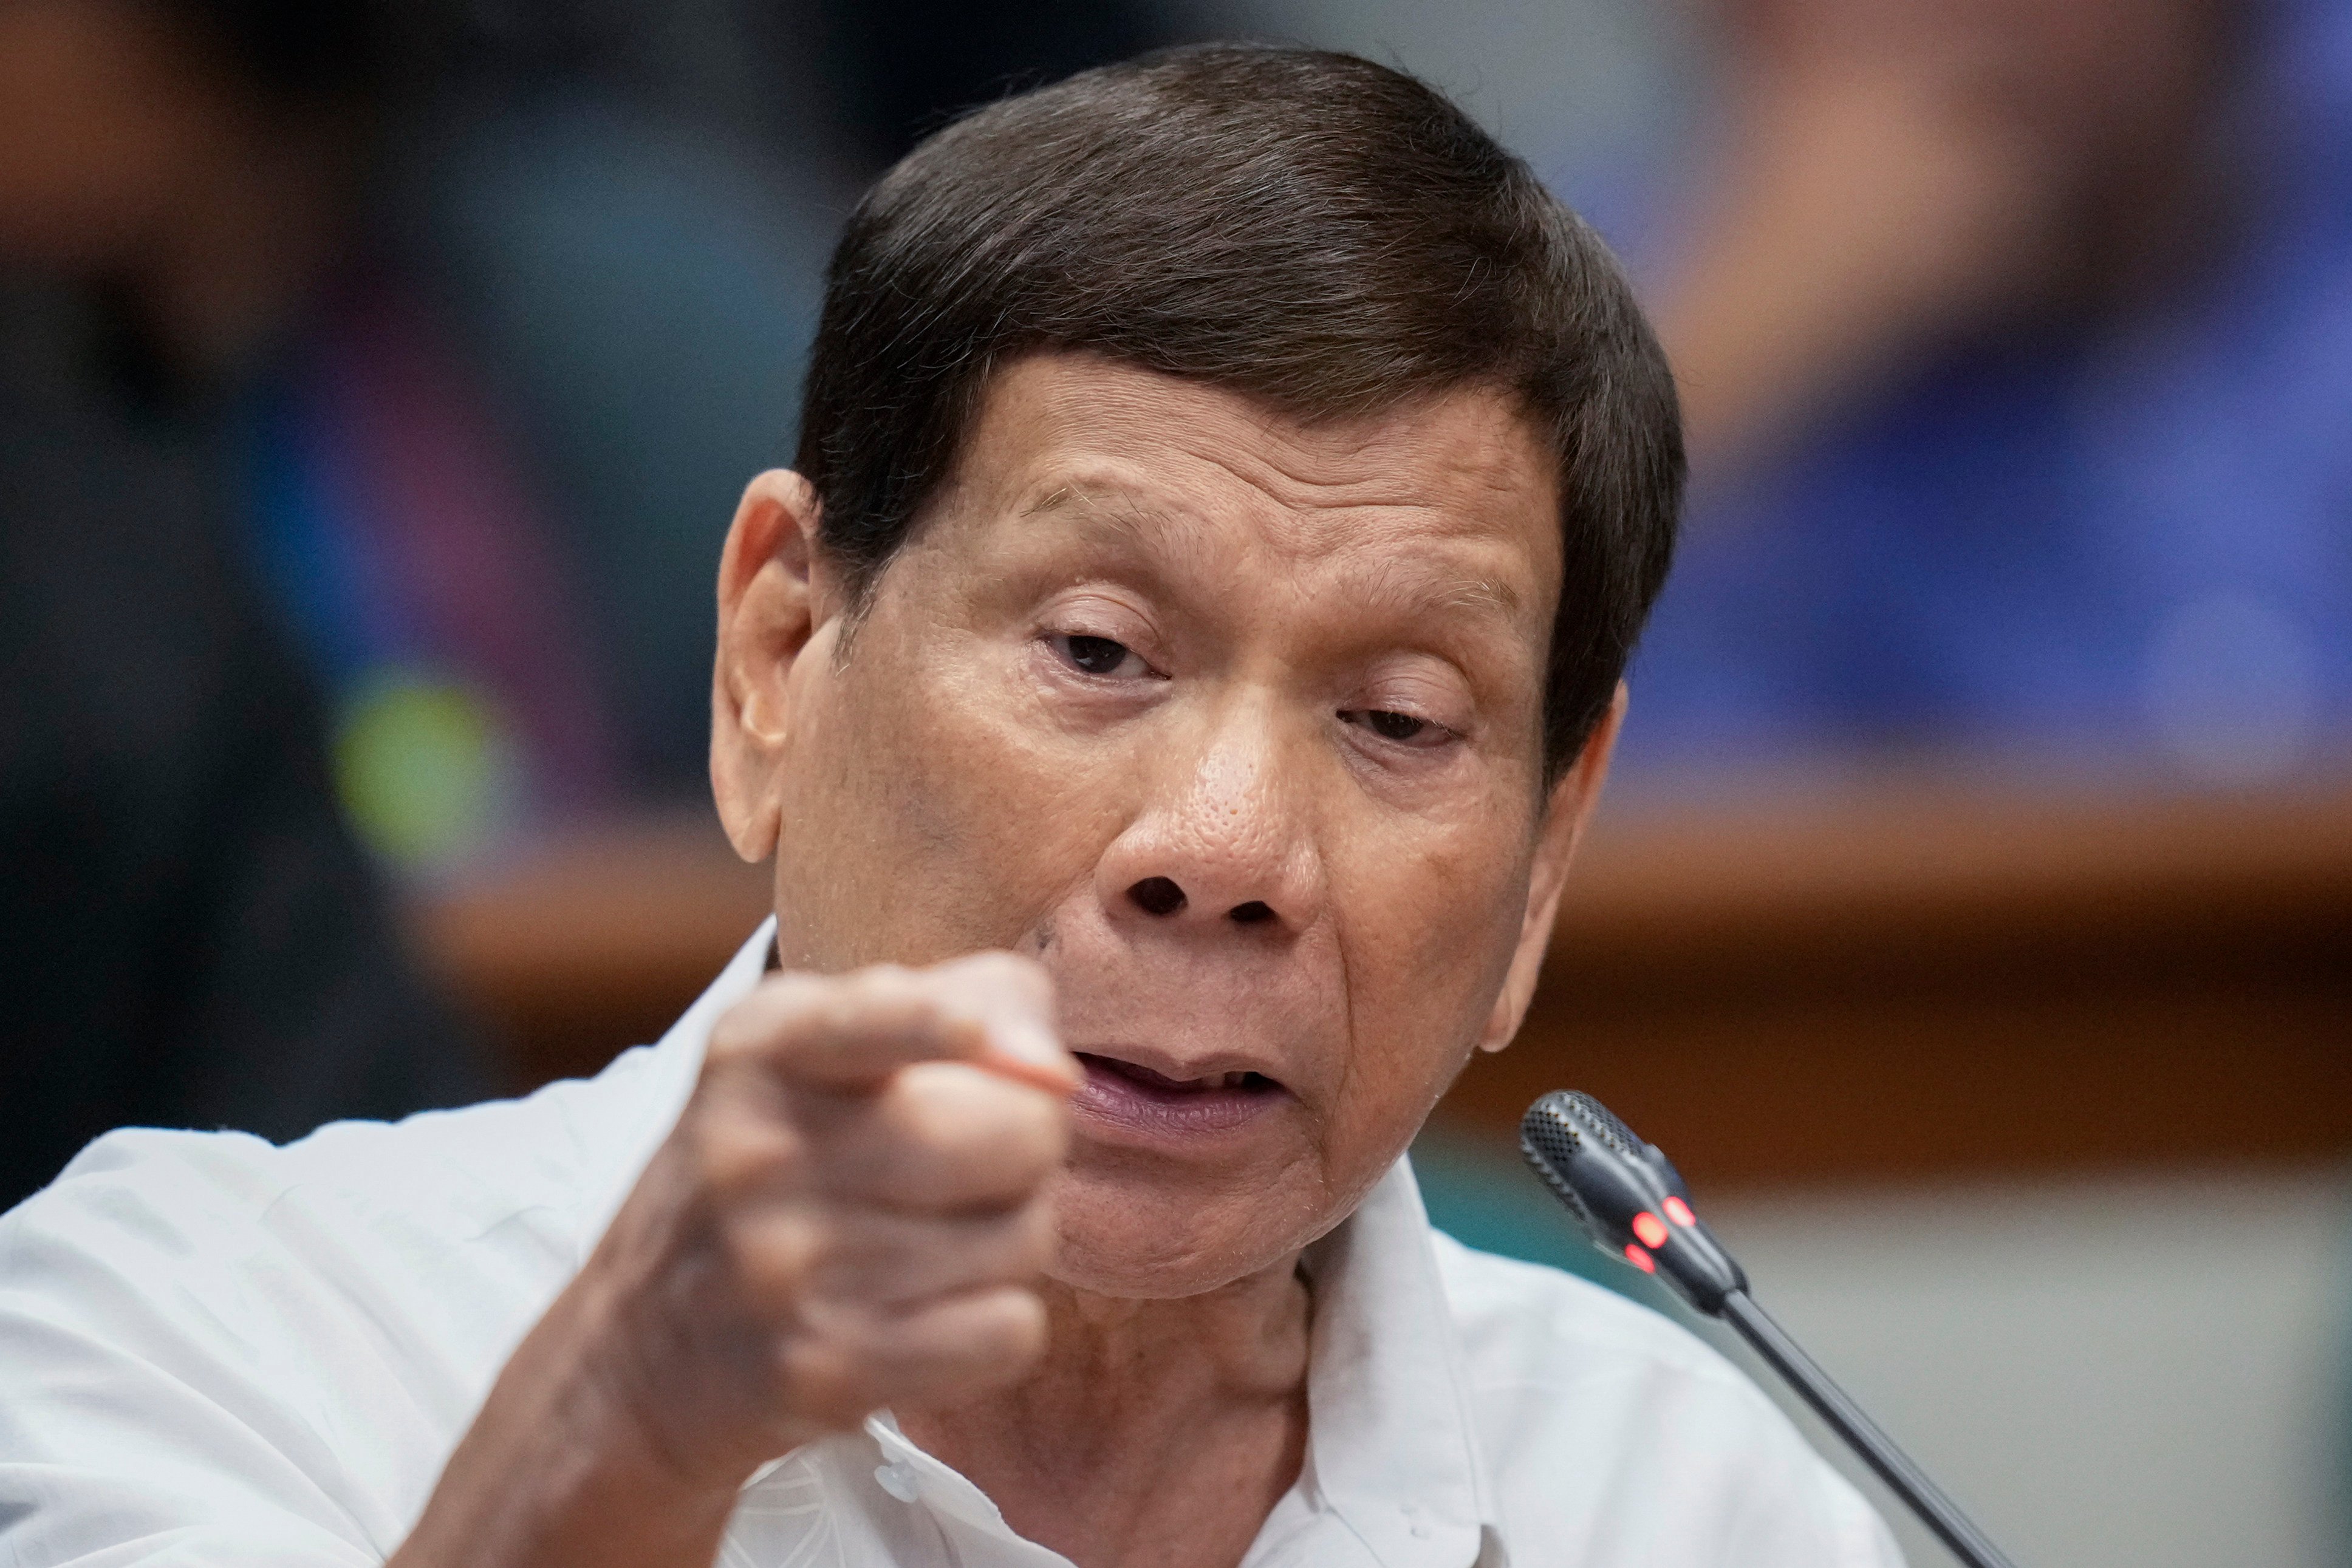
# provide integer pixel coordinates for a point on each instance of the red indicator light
(1639, 1258)
(1679, 1212)
(1650, 1228)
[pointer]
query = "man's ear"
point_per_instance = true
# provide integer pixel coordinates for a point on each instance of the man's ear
(1565, 812)
(773, 595)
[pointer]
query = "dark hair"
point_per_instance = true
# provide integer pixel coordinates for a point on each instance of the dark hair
(1308, 228)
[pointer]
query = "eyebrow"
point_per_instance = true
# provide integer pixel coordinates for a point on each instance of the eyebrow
(1403, 584)
(1400, 582)
(1097, 501)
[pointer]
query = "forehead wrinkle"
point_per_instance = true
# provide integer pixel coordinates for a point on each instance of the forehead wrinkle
(1111, 505)
(1321, 508)
(1314, 533)
(1407, 570)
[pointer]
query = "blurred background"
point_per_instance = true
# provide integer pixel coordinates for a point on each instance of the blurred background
(1972, 916)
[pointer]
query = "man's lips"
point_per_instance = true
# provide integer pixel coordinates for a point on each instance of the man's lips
(1132, 1097)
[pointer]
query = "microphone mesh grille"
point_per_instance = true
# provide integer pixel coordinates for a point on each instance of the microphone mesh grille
(1549, 1141)
(1551, 1134)
(1605, 1123)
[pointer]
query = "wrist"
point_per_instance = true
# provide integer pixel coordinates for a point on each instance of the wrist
(560, 1467)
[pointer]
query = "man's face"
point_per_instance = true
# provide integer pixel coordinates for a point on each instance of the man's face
(1233, 725)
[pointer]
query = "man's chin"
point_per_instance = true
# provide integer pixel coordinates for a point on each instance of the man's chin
(1143, 1236)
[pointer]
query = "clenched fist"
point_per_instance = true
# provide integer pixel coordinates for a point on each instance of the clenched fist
(850, 1213)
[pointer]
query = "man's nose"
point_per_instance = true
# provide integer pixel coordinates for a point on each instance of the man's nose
(1225, 837)
(1166, 895)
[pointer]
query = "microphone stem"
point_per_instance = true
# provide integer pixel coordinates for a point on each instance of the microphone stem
(1910, 1483)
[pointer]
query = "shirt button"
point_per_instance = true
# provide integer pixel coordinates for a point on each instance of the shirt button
(897, 1479)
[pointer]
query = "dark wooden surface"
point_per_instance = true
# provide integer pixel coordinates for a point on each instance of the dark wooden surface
(1912, 983)
(1894, 981)
(577, 951)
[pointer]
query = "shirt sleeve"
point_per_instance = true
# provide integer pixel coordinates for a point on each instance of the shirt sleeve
(1807, 1516)
(206, 1359)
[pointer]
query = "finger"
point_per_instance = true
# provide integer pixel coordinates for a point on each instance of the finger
(845, 1365)
(888, 1259)
(848, 1032)
(944, 1138)
(853, 1031)
(1014, 997)
(739, 1137)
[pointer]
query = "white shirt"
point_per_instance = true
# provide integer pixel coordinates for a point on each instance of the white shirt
(217, 1353)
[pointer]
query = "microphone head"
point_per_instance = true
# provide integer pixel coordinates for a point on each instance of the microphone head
(1627, 1195)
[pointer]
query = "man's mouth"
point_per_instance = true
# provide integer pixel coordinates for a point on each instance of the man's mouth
(1135, 1072)
(1128, 1096)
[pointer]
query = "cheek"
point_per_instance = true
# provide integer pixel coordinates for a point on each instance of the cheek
(1428, 944)
(931, 822)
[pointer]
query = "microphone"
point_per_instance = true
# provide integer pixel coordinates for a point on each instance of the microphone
(1632, 1202)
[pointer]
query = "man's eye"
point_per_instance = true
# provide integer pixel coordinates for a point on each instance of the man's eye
(1403, 728)
(1096, 655)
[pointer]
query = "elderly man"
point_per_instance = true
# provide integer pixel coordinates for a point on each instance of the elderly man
(1170, 688)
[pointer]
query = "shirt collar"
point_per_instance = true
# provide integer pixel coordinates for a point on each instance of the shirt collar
(1394, 1452)
(1392, 1455)
(691, 1035)
(674, 1064)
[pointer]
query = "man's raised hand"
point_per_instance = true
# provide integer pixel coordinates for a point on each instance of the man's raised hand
(850, 1213)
